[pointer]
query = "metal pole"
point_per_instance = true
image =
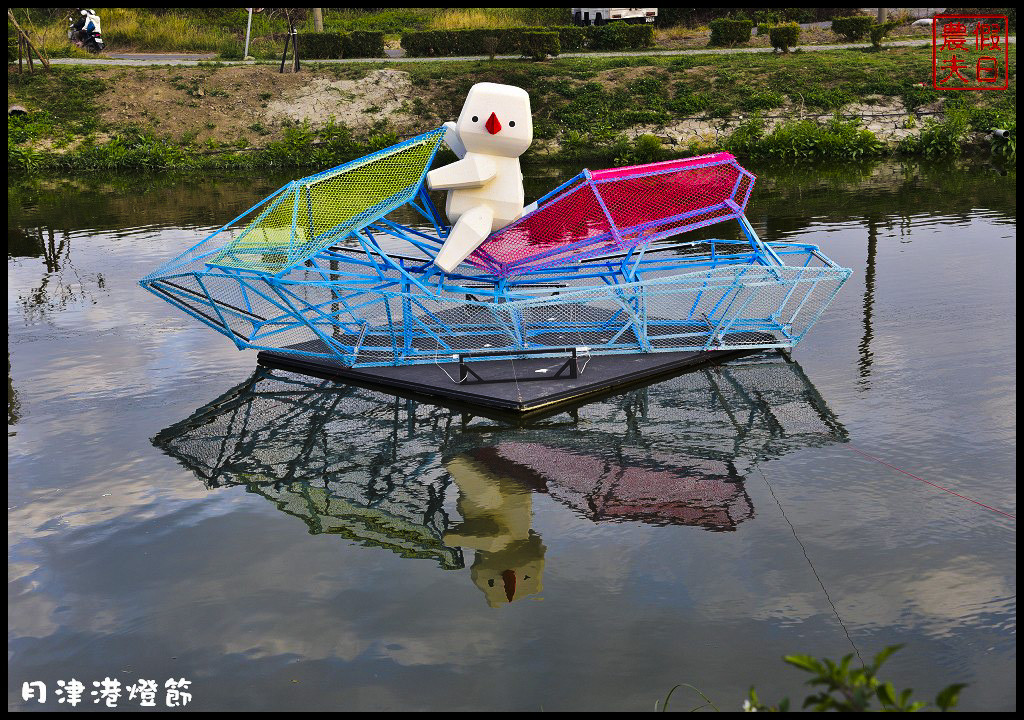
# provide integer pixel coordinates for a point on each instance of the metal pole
(287, 38)
(248, 29)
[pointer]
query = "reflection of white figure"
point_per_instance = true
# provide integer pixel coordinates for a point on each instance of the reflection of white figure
(497, 512)
(485, 186)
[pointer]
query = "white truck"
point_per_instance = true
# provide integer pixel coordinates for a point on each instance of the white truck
(600, 16)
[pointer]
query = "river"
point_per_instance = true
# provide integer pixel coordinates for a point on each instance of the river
(288, 543)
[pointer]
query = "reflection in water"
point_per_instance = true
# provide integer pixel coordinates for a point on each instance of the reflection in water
(704, 493)
(497, 513)
(864, 347)
(13, 403)
(61, 282)
(379, 470)
(330, 454)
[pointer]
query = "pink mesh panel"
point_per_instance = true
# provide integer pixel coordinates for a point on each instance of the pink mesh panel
(620, 208)
(552, 233)
(631, 170)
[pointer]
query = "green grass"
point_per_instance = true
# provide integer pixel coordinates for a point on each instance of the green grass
(63, 103)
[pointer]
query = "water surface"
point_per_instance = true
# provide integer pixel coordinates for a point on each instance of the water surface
(289, 543)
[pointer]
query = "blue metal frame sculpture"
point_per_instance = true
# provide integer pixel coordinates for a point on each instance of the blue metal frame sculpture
(339, 265)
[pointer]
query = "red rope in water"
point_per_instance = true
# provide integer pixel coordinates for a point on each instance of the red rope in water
(928, 482)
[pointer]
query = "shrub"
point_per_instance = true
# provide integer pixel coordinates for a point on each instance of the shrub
(363, 44)
(768, 18)
(571, 38)
(322, 46)
(231, 49)
(784, 37)
(878, 33)
(730, 31)
(800, 139)
(538, 45)
(481, 41)
(941, 138)
(646, 149)
(336, 45)
(852, 28)
(621, 36)
(490, 46)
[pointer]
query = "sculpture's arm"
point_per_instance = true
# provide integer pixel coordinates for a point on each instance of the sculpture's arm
(452, 140)
(470, 172)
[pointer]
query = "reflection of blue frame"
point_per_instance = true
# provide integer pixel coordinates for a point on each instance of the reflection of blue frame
(372, 295)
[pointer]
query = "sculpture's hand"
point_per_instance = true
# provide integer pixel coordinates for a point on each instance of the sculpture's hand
(453, 141)
(470, 172)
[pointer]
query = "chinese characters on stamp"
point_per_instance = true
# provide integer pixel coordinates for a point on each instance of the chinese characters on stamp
(970, 52)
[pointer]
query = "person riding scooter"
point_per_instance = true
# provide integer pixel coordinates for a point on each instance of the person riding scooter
(85, 32)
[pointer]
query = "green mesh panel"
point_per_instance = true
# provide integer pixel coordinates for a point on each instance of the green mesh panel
(317, 212)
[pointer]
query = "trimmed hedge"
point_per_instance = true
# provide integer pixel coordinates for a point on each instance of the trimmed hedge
(572, 38)
(538, 45)
(336, 45)
(621, 36)
(852, 28)
(730, 31)
(321, 46)
(879, 31)
(784, 37)
(441, 43)
(364, 44)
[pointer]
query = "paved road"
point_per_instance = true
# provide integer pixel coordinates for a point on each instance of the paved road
(124, 59)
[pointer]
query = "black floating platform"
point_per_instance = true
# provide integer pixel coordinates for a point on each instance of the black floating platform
(517, 387)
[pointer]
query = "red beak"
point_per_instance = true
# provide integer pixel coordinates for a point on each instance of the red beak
(508, 578)
(493, 125)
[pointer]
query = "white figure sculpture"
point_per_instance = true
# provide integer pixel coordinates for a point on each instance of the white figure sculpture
(485, 186)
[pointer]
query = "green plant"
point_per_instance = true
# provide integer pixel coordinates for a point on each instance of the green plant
(336, 45)
(941, 138)
(231, 49)
(620, 36)
(322, 46)
(879, 31)
(784, 37)
(363, 44)
(490, 46)
(730, 31)
(852, 28)
(645, 149)
(768, 18)
(761, 100)
(539, 45)
(480, 41)
(845, 689)
(688, 104)
(840, 687)
(804, 139)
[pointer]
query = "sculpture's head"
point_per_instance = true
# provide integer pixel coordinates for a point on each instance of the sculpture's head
(496, 120)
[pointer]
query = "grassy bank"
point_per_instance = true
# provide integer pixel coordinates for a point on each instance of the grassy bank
(592, 110)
